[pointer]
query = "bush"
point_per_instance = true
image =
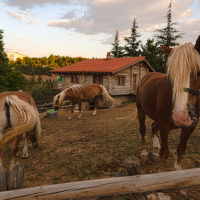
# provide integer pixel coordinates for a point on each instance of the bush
(11, 80)
(41, 90)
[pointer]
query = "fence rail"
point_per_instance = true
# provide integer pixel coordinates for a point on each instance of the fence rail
(108, 186)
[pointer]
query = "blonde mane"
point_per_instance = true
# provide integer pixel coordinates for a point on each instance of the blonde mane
(183, 61)
(74, 88)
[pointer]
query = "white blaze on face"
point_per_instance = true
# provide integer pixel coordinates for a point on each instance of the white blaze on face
(180, 111)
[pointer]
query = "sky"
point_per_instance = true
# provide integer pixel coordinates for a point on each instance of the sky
(87, 28)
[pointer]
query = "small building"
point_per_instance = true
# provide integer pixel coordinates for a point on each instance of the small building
(12, 56)
(120, 76)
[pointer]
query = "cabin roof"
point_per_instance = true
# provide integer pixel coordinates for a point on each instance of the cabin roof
(111, 65)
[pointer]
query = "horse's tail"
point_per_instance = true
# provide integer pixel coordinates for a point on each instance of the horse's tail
(27, 118)
(106, 96)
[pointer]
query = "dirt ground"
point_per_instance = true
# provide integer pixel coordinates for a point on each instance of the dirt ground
(95, 147)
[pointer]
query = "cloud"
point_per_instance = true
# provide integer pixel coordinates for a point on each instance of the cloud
(105, 16)
(3, 3)
(17, 16)
(69, 15)
(71, 33)
(18, 39)
(30, 4)
(93, 39)
(23, 12)
(33, 21)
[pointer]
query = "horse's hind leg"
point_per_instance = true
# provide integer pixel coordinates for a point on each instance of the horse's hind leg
(96, 102)
(14, 151)
(141, 117)
(80, 108)
(185, 134)
(156, 143)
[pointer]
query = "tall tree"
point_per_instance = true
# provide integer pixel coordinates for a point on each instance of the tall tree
(3, 56)
(168, 36)
(132, 43)
(117, 51)
(153, 53)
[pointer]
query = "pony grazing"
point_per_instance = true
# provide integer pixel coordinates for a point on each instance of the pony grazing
(79, 94)
(171, 100)
(18, 116)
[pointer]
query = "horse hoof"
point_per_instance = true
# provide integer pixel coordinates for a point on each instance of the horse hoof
(17, 154)
(144, 157)
(156, 157)
(69, 118)
(79, 117)
(35, 145)
(25, 156)
(177, 168)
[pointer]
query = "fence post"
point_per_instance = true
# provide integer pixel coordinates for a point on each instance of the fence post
(132, 167)
(3, 182)
(16, 177)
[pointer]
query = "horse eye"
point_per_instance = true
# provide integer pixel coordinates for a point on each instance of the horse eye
(198, 74)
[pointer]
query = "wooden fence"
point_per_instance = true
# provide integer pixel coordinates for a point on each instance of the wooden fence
(134, 185)
(44, 105)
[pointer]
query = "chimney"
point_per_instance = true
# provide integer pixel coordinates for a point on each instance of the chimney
(108, 56)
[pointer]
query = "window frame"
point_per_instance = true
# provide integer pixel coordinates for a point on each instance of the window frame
(99, 79)
(75, 78)
(121, 80)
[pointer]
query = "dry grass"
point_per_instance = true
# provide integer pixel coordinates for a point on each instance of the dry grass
(95, 147)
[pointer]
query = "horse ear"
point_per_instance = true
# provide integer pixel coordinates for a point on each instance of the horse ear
(197, 45)
(167, 50)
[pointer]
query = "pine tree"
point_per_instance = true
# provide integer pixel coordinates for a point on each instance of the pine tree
(117, 51)
(153, 53)
(3, 56)
(167, 36)
(132, 46)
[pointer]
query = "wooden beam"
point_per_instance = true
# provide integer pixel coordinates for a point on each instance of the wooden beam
(108, 186)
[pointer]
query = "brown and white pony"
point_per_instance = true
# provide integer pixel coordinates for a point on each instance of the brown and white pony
(79, 94)
(171, 100)
(18, 116)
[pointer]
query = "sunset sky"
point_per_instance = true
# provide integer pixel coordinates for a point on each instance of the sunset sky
(87, 28)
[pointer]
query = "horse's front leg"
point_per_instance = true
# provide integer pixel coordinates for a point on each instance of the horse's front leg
(185, 134)
(164, 151)
(72, 109)
(80, 108)
(25, 150)
(156, 143)
(14, 151)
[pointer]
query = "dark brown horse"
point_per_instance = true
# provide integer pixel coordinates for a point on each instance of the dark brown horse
(171, 100)
(18, 117)
(79, 94)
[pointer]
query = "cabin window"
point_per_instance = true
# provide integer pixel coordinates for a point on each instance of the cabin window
(75, 78)
(98, 79)
(134, 79)
(121, 80)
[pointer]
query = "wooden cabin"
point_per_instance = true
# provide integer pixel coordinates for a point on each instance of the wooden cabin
(120, 76)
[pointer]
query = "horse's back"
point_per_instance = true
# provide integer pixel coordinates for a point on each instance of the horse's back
(22, 95)
(154, 92)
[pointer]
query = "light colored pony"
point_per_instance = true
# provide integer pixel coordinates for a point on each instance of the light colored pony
(79, 94)
(171, 100)
(18, 116)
